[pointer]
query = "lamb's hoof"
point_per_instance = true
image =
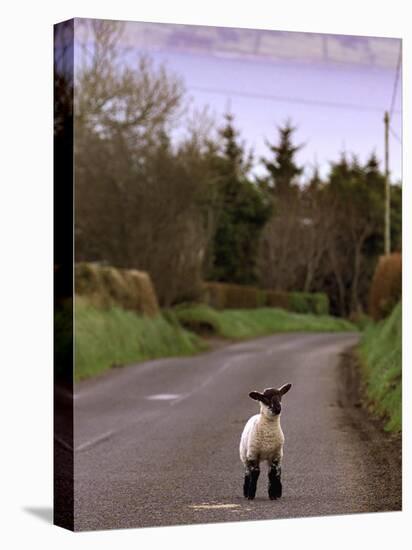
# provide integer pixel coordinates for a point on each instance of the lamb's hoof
(250, 497)
(274, 495)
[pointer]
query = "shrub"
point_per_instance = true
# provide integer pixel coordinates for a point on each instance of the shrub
(298, 302)
(386, 286)
(107, 287)
(306, 302)
(320, 303)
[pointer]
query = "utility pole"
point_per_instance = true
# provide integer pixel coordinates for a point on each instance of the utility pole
(387, 229)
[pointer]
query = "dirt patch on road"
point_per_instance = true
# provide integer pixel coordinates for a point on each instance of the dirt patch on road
(382, 451)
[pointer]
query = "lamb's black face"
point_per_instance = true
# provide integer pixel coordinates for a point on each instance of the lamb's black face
(271, 398)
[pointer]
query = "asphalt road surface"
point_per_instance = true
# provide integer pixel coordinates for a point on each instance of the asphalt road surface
(157, 443)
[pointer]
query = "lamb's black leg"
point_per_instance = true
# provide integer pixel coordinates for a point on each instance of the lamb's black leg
(275, 485)
(246, 484)
(251, 477)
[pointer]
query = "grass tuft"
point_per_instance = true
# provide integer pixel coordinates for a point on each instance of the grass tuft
(114, 337)
(381, 359)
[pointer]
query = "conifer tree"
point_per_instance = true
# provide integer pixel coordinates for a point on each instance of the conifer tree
(282, 168)
(244, 211)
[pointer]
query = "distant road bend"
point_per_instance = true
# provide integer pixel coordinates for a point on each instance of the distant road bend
(157, 443)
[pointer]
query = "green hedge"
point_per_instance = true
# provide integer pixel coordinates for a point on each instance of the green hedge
(228, 296)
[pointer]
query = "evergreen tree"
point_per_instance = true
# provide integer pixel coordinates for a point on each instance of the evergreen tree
(375, 180)
(244, 209)
(356, 191)
(315, 182)
(282, 169)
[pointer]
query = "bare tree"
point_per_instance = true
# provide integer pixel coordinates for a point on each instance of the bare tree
(139, 198)
(279, 247)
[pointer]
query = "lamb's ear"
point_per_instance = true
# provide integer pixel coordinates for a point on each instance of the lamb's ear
(256, 395)
(285, 388)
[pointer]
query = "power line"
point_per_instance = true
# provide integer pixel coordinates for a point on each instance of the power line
(395, 84)
(285, 99)
(395, 135)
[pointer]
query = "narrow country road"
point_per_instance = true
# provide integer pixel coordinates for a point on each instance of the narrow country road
(157, 443)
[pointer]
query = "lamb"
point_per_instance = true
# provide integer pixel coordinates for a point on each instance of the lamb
(262, 439)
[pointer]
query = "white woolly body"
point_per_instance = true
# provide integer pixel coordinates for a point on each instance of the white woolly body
(262, 438)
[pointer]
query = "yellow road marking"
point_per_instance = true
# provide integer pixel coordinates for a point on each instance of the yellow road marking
(213, 506)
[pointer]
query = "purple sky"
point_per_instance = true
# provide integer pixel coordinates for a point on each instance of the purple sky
(334, 88)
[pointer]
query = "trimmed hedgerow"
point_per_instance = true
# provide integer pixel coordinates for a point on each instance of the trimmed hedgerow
(386, 287)
(277, 299)
(107, 287)
(230, 296)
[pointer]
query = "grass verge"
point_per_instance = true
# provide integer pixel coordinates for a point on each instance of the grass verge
(113, 337)
(240, 324)
(381, 361)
